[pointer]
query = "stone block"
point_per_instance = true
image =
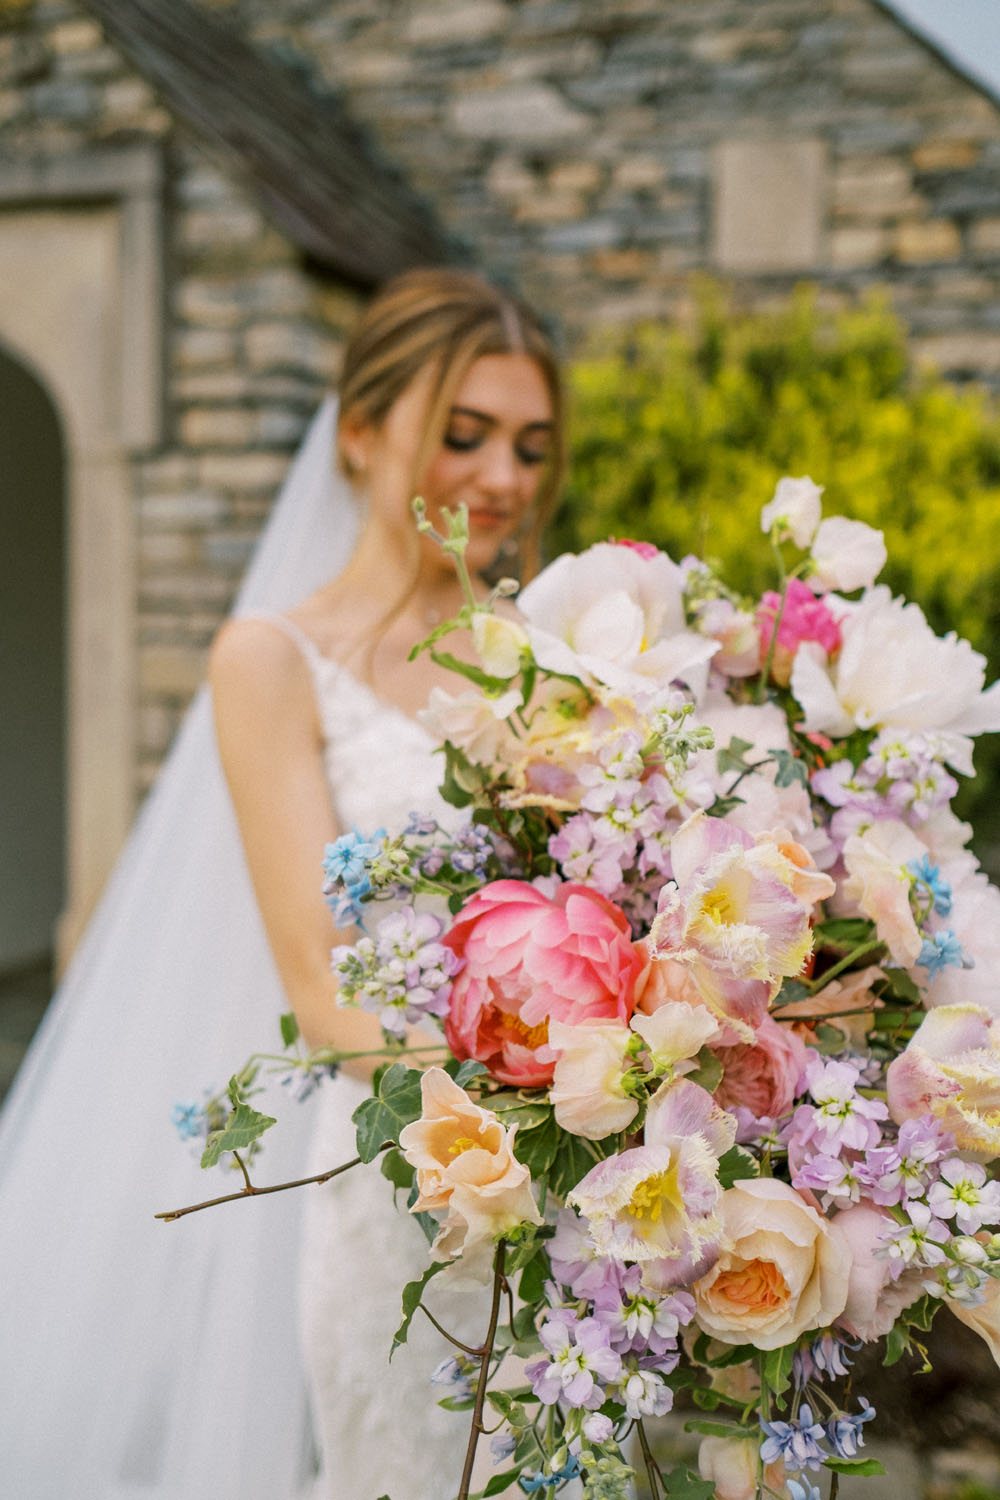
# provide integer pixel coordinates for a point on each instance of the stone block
(64, 99)
(198, 348)
(960, 353)
(75, 36)
(508, 177)
(229, 552)
(873, 187)
(444, 25)
(218, 302)
(220, 228)
(225, 385)
(622, 265)
(526, 112)
(575, 177)
(23, 59)
(193, 510)
(984, 237)
(217, 427)
(945, 155)
(171, 471)
(770, 202)
(289, 346)
(722, 46)
(160, 551)
(550, 208)
(126, 97)
(640, 173)
(175, 671)
(854, 246)
(927, 240)
(258, 472)
(585, 234)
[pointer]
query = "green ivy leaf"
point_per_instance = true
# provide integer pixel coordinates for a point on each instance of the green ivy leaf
(413, 1292)
(243, 1126)
(536, 1146)
(735, 1165)
(681, 1484)
(708, 1072)
(289, 1029)
(732, 757)
(778, 1368)
(863, 1467)
(715, 1429)
(573, 1160)
(396, 1104)
(791, 769)
(464, 1072)
(499, 1483)
(534, 1276)
(397, 1169)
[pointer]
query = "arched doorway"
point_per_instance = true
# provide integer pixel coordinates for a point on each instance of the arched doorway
(32, 667)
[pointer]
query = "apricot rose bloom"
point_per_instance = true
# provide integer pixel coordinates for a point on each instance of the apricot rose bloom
(783, 1268)
(528, 959)
(466, 1170)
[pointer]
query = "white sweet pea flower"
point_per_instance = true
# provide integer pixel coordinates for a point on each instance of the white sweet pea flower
(795, 511)
(614, 616)
(893, 672)
(587, 1091)
(676, 1033)
(846, 554)
(879, 882)
(499, 643)
(471, 721)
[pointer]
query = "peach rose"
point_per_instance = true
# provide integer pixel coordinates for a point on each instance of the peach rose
(784, 1270)
(874, 1299)
(762, 1077)
(528, 959)
(731, 1465)
(466, 1169)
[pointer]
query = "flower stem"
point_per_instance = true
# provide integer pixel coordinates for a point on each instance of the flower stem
(652, 1471)
(465, 1348)
(257, 1192)
(484, 1373)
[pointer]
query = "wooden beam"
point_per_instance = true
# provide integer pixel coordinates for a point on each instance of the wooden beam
(314, 172)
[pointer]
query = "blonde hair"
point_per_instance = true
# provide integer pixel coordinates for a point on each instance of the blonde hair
(444, 320)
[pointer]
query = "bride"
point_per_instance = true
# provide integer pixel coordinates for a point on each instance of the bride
(138, 1359)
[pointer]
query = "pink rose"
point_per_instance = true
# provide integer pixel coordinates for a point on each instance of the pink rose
(529, 959)
(874, 1299)
(804, 618)
(762, 1077)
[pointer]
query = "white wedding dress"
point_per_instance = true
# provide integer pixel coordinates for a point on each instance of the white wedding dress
(149, 1361)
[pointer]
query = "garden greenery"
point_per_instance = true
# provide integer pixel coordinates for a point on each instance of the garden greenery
(670, 426)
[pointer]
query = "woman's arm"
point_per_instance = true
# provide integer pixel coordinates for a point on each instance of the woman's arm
(271, 749)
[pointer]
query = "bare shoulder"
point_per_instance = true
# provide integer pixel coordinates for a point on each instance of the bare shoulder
(253, 664)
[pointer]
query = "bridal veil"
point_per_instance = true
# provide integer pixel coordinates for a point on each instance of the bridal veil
(137, 1358)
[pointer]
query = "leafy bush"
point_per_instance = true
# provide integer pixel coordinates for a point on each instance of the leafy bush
(680, 436)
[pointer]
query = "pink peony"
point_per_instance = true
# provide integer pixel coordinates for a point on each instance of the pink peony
(762, 1077)
(804, 618)
(529, 959)
(644, 549)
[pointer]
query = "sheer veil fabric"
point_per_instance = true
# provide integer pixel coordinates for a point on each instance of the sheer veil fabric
(142, 1360)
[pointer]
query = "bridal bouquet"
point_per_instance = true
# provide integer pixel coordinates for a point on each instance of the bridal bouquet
(717, 978)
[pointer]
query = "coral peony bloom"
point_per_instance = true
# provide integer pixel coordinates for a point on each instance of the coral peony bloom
(658, 1202)
(784, 1268)
(803, 618)
(529, 959)
(466, 1169)
(615, 616)
(762, 1076)
(587, 1091)
(951, 1070)
(732, 916)
(894, 672)
(876, 1295)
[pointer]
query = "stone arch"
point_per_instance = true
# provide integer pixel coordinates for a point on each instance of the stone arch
(80, 295)
(32, 666)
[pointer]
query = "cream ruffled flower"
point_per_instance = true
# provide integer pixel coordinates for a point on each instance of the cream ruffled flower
(784, 1268)
(587, 1092)
(892, 671)
(951, 1070)
(846, 554)
(795, 511)
(466, 1169)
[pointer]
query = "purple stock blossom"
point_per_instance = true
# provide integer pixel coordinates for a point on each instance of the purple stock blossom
(581, 1362)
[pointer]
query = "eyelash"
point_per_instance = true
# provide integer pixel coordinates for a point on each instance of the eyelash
(468, 445)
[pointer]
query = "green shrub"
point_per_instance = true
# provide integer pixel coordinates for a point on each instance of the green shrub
(680, 438)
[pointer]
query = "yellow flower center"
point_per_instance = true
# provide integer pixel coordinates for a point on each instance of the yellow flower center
(650, 1195)
(461, 1143)
(531, 1036)
(718, 906)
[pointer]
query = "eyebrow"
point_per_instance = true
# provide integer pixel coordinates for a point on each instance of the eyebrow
(483, 416)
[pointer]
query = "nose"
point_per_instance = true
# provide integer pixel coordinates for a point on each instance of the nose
(499, 472)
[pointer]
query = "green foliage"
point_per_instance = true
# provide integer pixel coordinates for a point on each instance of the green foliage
(241, 1129)
(382, 1117)
(680, 436)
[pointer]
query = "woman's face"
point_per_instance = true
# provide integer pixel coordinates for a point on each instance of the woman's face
(491, 458)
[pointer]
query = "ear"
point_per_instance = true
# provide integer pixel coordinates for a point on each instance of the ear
(354, 438)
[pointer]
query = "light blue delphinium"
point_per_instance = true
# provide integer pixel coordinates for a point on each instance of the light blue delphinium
(189, 1120)
(796, 1443)
(845, 1433)
(941, 951)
